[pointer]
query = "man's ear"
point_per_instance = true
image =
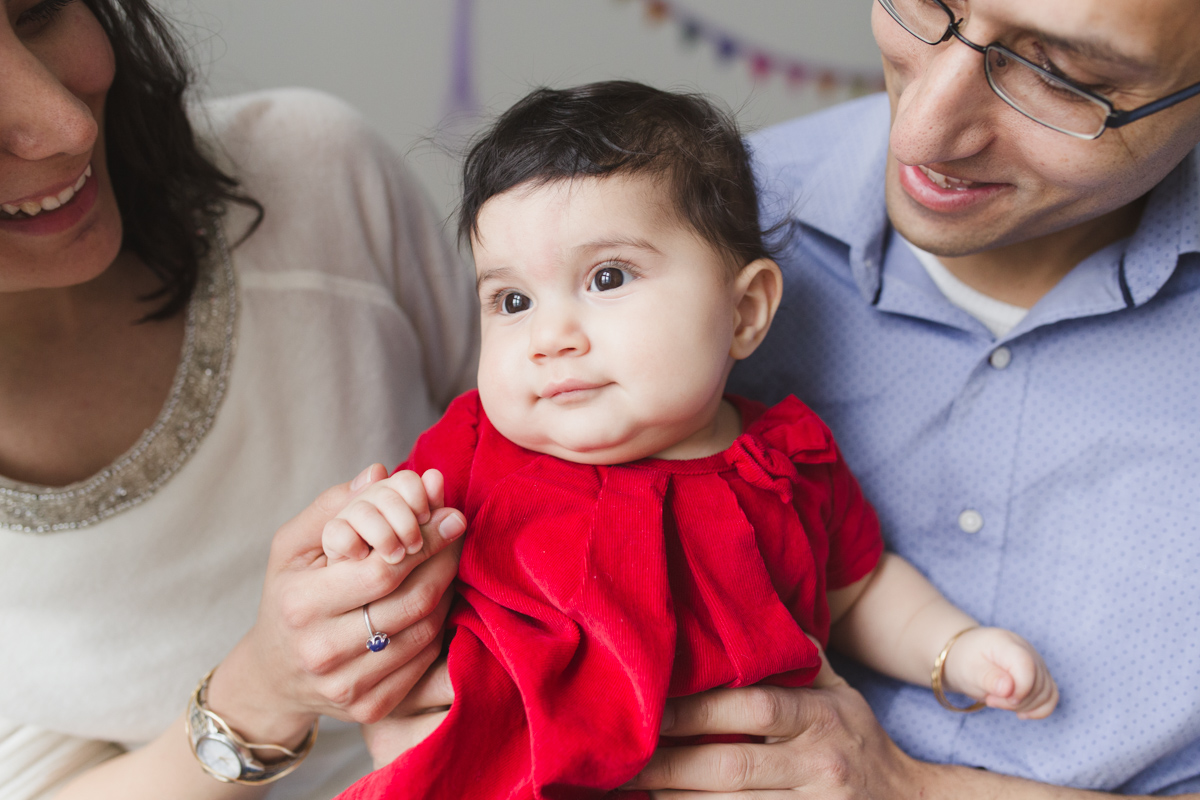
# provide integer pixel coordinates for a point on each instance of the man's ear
(758, 288)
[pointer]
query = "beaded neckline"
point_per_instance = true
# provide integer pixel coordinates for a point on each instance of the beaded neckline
(163, 448)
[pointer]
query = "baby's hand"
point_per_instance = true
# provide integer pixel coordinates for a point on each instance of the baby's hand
(386, 517)
(1003, 670)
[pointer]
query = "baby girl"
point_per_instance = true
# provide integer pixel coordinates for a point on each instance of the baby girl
(634, 533)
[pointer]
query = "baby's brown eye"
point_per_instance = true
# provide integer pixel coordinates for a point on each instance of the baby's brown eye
(608, 278)
(515, 303)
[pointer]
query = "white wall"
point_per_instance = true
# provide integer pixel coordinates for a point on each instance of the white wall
(391, 58)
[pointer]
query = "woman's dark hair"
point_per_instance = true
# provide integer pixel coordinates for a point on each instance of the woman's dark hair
(622, 127)
(168, 192)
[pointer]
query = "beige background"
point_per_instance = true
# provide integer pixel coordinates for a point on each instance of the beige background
(391, 58)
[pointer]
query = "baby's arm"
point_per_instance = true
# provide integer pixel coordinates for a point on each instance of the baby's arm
(897, 623)
(387, 517)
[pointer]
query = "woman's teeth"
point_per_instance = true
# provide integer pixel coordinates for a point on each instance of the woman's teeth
(32, 208)
(945, 181)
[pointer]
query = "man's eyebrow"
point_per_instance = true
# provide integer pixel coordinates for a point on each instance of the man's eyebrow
(1096, 49)
(497, 274)
(618, 242)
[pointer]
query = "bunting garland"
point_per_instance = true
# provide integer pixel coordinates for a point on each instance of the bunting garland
(762, 62)
(462, 104)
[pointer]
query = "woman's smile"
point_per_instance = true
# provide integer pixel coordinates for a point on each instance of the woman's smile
(53, 210)
(46, 200)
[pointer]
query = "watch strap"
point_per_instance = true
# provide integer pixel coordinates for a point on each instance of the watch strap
(203, 723)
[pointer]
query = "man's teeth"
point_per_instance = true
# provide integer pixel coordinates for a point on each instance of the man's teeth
(49, 203)
(945, 181)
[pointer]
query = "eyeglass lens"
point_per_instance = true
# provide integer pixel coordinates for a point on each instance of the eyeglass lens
(1034, 92)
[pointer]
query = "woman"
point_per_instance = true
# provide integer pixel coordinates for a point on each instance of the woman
(196, 335)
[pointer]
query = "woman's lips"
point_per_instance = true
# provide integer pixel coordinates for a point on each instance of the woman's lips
(49, 200)
(53, 213)
(943, 193)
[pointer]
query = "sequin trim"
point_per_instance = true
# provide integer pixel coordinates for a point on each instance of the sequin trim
(166, 446)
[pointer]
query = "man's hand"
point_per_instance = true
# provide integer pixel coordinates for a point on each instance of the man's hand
(421, 711)
(822, 742)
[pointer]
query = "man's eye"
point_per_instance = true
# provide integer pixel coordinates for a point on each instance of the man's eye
(608, 278)
(515, 303)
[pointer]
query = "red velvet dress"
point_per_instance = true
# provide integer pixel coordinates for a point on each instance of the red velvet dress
(588, 595)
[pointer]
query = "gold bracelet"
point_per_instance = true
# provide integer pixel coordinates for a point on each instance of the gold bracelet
(227, 756)
(939, 670)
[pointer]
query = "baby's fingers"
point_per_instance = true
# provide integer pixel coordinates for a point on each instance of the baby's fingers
(341, 543)
(386, 525)
(435, 488)
(403, 496)
(1042, 700)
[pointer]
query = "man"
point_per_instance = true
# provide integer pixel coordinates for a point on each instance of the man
(996, 306)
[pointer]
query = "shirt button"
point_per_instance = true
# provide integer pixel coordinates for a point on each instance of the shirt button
(1001, 357)
(971, 521)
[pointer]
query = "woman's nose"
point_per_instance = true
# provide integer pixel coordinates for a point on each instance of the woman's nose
(556, 332)
(945, 110)
(39, 116)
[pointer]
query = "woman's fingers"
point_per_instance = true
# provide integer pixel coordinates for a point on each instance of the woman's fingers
(419, 599)
(372, 474)
(376, 682)
(297, 544)
(351, 584)
(309, 644)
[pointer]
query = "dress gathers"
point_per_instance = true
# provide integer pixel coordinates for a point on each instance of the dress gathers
(589, 594)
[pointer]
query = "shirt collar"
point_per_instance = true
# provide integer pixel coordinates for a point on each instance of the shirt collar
(826, 172)
(1170, 227)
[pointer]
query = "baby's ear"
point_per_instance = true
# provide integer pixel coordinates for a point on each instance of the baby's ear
(758, 288)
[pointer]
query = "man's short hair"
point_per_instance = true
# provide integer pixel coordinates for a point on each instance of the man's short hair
(625, 128)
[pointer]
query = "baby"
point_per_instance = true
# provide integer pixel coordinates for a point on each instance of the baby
(634, 533)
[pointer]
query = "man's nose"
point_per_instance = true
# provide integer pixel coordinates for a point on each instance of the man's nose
(39, 117)
(947, 109)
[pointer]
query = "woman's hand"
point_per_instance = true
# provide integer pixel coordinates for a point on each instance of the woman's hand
(307, 655)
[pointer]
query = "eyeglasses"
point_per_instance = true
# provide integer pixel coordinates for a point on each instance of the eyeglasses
(1037, 93)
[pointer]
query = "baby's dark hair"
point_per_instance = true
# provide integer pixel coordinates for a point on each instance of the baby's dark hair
(624, 128)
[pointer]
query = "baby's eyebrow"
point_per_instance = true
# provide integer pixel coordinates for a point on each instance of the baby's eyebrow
(605, 244)
(496, 274)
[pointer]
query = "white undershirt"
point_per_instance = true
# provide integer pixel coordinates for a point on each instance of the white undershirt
(996, 315)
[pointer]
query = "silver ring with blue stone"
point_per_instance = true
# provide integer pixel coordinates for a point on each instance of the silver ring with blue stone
(378, 640)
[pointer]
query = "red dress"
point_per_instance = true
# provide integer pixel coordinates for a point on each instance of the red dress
(588, 595)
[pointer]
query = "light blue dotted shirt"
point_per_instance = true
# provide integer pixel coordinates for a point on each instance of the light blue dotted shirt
(1047, 482)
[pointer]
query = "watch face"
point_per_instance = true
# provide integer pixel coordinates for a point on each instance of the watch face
(219, 756)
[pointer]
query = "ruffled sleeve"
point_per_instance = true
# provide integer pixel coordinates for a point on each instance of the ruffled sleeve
(791, 432)
(790, 447)
(449, 447)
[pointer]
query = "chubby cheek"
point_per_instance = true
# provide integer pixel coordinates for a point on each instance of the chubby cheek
(502, 378)
(680, 357)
